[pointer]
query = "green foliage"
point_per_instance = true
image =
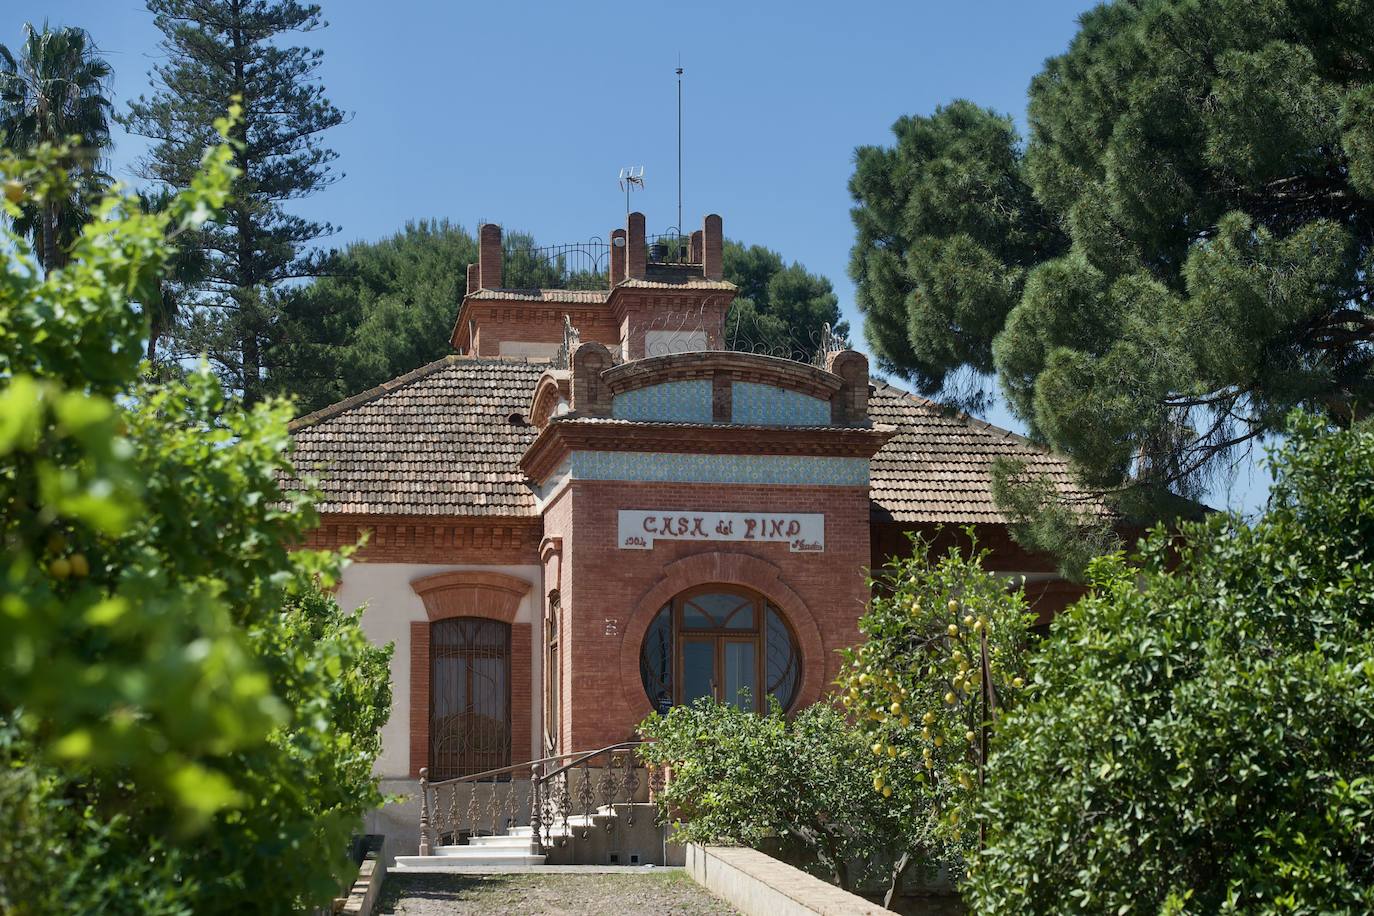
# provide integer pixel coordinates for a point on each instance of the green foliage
(388, 307)
(920, 696)
(781, 308)
(1198, 733)
(742, 778)
(219, 53)
(188, 722)
(53, 92)
(1178, 256)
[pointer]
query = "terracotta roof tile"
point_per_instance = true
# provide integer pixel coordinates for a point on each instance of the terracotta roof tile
(937, 468)
(437, 441)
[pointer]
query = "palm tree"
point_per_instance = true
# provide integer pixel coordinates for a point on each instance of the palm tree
(55, 90)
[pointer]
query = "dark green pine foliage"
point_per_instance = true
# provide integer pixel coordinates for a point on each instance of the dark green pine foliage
(781, 308)
(1179, 255)
(218, 51)
(388, 307)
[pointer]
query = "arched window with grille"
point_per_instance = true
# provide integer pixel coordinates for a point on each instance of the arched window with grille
(470, 705)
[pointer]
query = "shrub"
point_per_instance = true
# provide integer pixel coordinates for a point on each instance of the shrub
(741, 778)
(1199, 732)
(188, 721)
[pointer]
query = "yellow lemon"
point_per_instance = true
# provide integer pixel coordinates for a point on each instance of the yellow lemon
(80, 567)
(887, 791)
(878, 748)
(950, 698)
(60, 568)
(939, 740)
(953, 606)
(952, 629)
(1017, 683)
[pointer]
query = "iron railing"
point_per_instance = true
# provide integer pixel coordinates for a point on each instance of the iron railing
(572, 788)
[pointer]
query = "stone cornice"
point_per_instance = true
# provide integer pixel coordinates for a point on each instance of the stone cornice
(568, 434)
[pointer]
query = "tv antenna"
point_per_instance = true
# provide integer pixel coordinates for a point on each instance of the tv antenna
(630, 178)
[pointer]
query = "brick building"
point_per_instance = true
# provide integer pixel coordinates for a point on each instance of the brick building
(567, 530)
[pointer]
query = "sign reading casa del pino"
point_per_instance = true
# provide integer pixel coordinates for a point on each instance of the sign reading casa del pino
(800, 531)
(595, 509)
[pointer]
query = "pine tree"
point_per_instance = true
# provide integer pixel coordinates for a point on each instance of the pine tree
(1180, 253)
(217, 51)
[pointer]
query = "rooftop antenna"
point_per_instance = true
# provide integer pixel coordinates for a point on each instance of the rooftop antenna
(631, 177)
(679, 144)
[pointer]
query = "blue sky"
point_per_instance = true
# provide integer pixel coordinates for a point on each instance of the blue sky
(522, 113)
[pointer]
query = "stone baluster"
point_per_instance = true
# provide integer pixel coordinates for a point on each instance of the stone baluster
(424, 811)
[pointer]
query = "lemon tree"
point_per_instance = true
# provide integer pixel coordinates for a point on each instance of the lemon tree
(945, 652)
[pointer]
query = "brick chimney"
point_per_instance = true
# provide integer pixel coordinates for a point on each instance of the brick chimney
(636, 255)
(713, 241)
(474, 283)
(617, 256)
(489, 256)
(694, 250)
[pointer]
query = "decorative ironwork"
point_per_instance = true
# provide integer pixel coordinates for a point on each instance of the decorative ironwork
(631, 786)
(470, 721)
(576, 265)
(600, 787)
(563, 358)
(584, 795)
(670, 247)
(608, 788)
(830, 342)
(473, 829)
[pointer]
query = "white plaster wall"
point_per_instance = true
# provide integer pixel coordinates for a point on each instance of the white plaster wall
(391, 606)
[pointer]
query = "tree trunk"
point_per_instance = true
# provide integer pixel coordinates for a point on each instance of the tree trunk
(51, 250)
(895, 879)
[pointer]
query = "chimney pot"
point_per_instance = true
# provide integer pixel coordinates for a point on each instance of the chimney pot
(489, 256)
(713, 242)
(474, 279)
(636, 257)
(618, 250)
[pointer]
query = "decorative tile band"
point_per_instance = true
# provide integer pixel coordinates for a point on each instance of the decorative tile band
(660, 467)
(673, 402)
(754, 404)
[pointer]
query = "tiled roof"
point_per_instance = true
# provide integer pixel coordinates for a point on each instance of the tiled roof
(937, 467)
(437, 441)
(578, 296)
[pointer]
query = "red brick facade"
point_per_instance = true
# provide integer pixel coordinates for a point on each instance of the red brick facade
(523, 474)
(611, 594)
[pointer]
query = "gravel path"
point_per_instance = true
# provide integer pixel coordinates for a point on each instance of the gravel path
(665, 893)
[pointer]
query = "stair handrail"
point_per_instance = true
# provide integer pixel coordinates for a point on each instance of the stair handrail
(537, 779)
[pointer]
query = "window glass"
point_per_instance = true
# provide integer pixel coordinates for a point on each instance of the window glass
(717, 643)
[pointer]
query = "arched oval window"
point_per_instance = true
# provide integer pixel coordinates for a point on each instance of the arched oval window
(721, 642)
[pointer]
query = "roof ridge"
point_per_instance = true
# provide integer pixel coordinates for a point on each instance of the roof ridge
(969, 419)
(399, 382)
